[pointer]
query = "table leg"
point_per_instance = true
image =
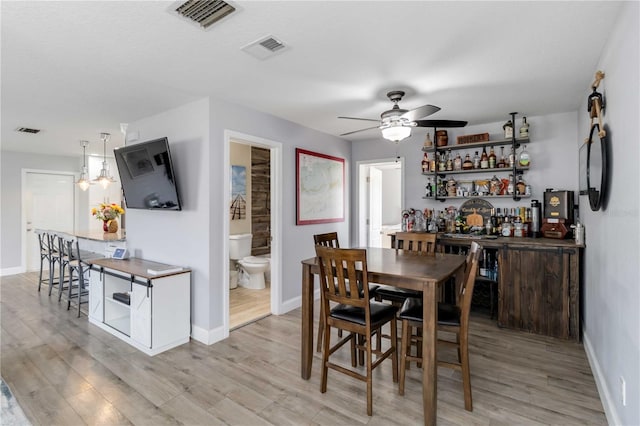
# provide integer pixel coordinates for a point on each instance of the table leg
(307, 322)
(429, 347)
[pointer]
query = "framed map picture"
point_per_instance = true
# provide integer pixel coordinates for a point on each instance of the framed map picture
(320, 189)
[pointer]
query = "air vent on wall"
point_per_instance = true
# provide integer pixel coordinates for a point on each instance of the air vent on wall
(264, 47)
(203, 12)
(27, 130)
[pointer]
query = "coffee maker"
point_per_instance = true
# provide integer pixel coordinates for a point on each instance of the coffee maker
(558, 214)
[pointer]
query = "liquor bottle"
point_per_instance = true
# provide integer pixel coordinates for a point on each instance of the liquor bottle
(449, 163)
(484, 159)
(425, 163)
(492, 159)
(457, 162)
(512, 157)
(502, 163)
(476, 161)
(442, 162)
(494, 221)
(523, 159)
(427, 141)
(468, 164)
(481, 268)
(520, 186)
(484, 264)
(428, 189)
(524, 129)
(508, 129)
(510, 187)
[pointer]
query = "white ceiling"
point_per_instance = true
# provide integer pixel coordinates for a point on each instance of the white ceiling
(78, 68)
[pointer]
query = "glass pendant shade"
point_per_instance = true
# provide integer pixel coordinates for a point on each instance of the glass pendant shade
(104, 179)
(83, 182)
(396, 133)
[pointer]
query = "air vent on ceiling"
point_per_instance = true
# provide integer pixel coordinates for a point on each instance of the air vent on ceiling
(265, 47)
(27, 130)
(203, 12)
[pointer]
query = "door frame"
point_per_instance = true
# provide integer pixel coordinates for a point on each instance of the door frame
(23, 203)
(275, 149)
(362, 197)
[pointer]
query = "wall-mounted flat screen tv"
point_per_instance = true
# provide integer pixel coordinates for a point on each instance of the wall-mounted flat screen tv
(147, 176)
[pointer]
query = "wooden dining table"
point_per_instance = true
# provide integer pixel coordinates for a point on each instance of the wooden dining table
(401, 269)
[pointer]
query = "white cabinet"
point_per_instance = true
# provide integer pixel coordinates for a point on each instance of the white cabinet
(157, 317)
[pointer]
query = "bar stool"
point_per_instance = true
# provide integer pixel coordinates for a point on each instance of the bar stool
(55, 257)
(43, 244)
(77, 266)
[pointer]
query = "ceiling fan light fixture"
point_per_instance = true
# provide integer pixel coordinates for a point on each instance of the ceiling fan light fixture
(396, 133)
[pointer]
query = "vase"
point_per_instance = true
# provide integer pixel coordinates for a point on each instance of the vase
(110, 226)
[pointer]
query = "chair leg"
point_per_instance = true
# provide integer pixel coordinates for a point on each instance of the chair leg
(466, 375)
(320, 329)
(419, 346)
(405, 345)
(80, 286)
(52, 268)
(61, 283)
(325, 358)
(70, 288)
(394, 346)
(369, 378)
(354, 359)
(41, 265)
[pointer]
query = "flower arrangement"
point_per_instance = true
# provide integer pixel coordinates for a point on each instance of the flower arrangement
(107, 211)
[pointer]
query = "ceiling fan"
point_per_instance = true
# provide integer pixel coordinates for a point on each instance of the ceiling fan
(396, 123)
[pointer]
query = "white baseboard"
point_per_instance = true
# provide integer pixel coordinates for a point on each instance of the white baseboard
(12, 271)
(605, 396)
(208, 337)
(296, 302)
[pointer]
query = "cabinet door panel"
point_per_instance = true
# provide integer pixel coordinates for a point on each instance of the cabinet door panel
(96, 296)
(141, 315)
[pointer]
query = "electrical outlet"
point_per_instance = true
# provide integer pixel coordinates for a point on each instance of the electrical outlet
(623, 391)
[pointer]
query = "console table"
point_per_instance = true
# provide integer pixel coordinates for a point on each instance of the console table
(157, 315)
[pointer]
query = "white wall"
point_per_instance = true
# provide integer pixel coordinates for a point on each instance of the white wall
(554, 159)
(194, 237)
(180, 237)
(611, 305)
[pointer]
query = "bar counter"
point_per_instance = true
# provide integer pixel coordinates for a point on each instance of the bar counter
(539, 281)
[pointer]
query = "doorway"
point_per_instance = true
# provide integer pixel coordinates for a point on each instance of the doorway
(380, 199)
(260, 159)
(48, 200)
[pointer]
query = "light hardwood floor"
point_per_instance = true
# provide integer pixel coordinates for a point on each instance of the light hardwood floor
(247, 305)
(65, 371)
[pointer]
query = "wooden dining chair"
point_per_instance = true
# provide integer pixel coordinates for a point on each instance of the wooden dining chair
(424, 243)
(343, 273)
(330, 239)
(453, 318)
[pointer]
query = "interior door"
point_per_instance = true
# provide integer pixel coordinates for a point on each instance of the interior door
(375, 207)
(49, 204)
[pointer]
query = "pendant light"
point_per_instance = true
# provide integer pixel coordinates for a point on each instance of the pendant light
(104, 179)
(83, 182)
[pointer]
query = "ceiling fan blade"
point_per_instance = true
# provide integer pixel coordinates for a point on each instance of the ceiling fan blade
(440, 123)
(420, 112)
(356, 118)
(361, 130)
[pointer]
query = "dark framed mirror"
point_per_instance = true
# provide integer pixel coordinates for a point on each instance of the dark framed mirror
(596, 167)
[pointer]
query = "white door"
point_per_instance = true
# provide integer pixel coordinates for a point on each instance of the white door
(49, 204)
(375, 206)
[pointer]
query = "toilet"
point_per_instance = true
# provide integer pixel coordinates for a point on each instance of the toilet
(251, 268)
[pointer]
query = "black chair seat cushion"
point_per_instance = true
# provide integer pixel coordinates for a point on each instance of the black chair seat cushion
(380, 313)
(447, 314)
(396, 294)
